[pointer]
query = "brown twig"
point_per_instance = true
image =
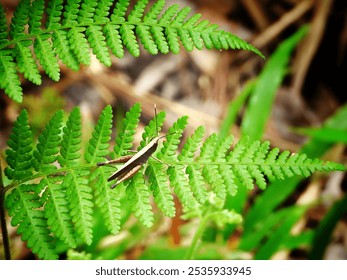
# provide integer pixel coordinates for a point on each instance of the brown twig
(311, 43)
(256, 12)
(275, 29)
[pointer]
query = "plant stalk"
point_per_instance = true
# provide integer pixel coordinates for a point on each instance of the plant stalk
(5, 239)
(196, 239)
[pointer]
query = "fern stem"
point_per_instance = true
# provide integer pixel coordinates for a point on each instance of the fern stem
(5, 239)
(191, 253)
(48, 174)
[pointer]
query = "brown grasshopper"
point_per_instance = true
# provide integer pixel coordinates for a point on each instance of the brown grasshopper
(133, 163)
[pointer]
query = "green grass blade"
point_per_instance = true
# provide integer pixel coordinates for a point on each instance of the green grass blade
(325, 229)
(270, 79)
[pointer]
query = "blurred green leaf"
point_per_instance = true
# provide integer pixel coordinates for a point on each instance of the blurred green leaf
(266, 203)
(326, 227)
(234, 108)
(280, 234)
(262, 91)
(327, 134)
(269, 80)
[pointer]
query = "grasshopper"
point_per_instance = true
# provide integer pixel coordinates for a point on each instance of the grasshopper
(133, 163)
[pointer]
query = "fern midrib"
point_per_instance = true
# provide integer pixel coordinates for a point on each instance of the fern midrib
(167, 162)
(23, 37)
(47, 174)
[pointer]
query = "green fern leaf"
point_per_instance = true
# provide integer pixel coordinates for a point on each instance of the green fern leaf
(98, 145)
(71, 143)
(176, 173)
(103, 10)
(71, 12)
(23, 205)
(168, 15)
(19, 153)
(226, 175)
(3, 27)
(129, 39)
(137, 12)
(152, 129)
(126, 137)
(97, 42)
(45, 54)
(210, 172)
(61, 204)
(159, 39)
(86, 13)
(79, 44)
(139, 199)
(9, 80)
(62, 48)
(78, 191)
(146, 39)
(57, 211)
(35, 15)
(54, 12)
(47, 148)
(152, 16)
(80, 200)
(26, 62)
(68, 30)
(105, 199)
(196, 180)
(156, 172)
(120, 11)
(113, 39)
(160, 189)
(20, 19)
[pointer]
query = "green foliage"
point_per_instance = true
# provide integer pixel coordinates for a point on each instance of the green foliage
(267, 85)
(59, 206)
(262, 218)
(73, 28)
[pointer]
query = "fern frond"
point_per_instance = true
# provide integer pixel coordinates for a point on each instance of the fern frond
(19, 152)
(54, 191)
(23, 205)
(75, 27)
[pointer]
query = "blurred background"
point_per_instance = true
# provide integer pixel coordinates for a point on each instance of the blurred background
(288, 99)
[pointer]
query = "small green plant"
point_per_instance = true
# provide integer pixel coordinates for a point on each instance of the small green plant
(54, 184)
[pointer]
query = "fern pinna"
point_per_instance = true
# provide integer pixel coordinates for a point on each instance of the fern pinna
(44, 33)
(54, 187)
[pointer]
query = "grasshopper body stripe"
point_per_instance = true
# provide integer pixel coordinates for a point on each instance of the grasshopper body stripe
(126, 176)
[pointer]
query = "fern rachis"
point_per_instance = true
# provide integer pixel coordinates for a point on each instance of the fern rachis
(63, 205)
